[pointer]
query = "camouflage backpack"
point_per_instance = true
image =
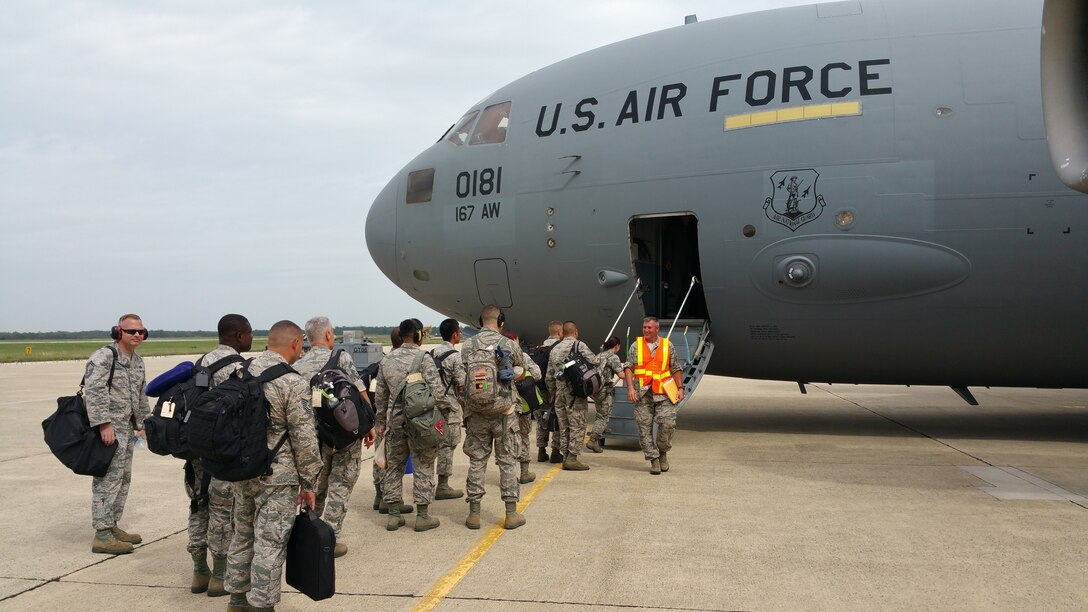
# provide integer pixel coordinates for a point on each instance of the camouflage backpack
(482, 393)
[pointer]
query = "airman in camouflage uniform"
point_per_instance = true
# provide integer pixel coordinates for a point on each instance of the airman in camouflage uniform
(605, 398)
(264, 507)
(486, 431)
(118, 411)
(340, 469)
(452, 373)
(555, 334)
(377, 472)
(211, 523)
(570, 410)
(392, 424)
(653, 407)
(525, 419)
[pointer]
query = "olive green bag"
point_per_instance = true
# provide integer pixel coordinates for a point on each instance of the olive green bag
(426, 427)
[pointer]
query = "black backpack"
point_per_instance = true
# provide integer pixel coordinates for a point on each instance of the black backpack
(165, 426)
(539, 355)
(345, 418)
(584, 379)
(228, 426)
(367, 375)
(70, 437)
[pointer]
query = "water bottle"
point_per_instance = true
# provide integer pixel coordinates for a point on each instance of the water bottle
(327, 390)
(140, 442)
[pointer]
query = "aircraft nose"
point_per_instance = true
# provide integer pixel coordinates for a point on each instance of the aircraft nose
(381, 231)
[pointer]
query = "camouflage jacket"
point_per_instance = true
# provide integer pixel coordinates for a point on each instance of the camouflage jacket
(124, 402)
(392, 370)
(215, 355)
(314, 359)
(299, 459)
(454, 370)
(559, 356)
(610, 366)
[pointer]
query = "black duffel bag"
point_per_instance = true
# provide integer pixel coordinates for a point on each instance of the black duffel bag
(71, 438)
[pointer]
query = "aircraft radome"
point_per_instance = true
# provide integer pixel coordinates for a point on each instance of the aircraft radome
(869, 191)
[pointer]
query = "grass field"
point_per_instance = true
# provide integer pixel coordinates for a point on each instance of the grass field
(61, 350)
(81, 349)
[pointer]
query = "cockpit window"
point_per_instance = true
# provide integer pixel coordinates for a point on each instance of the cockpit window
(420, 186)
(458, 134)
(492, 126)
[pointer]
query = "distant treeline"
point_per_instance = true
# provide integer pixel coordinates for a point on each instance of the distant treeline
(97, 334)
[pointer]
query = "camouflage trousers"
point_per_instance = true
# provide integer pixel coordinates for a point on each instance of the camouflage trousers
(482, 433)
(525, 425)
(603, 402)
(211, 524)
(263, 517)
(397, 447)
(542, 434)
(572, 422)
(108, 493)
(446, 448)
(648, 412)
(336, 481)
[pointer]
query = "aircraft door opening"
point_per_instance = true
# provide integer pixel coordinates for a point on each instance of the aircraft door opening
(665, 256)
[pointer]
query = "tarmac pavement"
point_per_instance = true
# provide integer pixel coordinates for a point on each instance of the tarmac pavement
(849, 497)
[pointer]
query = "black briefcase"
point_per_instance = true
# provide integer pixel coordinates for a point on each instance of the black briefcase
(310, 567)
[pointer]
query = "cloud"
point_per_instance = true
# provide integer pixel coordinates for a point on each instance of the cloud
(187, 158)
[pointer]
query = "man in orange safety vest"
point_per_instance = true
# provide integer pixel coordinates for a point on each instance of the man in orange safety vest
(650, 370)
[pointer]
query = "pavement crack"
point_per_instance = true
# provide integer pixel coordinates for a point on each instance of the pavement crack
(88, 566)
(553, 602)
(904, 426)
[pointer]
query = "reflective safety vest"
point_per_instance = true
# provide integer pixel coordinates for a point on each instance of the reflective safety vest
(656, 370)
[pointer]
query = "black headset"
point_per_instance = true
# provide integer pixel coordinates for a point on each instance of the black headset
(502, 319)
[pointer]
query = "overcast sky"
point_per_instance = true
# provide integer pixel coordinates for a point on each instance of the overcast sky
(185, 159)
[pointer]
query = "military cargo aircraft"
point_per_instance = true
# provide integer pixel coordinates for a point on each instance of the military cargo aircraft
(866, 191)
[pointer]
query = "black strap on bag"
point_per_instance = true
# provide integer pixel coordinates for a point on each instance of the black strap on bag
(201, 494)
(70, 437)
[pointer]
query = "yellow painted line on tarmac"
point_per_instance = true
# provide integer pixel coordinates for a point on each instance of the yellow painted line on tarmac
(446, 583)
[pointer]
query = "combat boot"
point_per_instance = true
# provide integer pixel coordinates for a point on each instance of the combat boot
(664, 461)
(201, 573)
(404, 508)
(473, 520)
(219, 573)
(557, 457)
(572, 464)
(124, 536)
(445, 491)
(238, 603)
(655, 466)
(542, 455)
(377, 497)
(339, 550)
(514, 519)
(526, 476)
(104, 542)
(395, 520)
(594, 446)
(425, 521)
